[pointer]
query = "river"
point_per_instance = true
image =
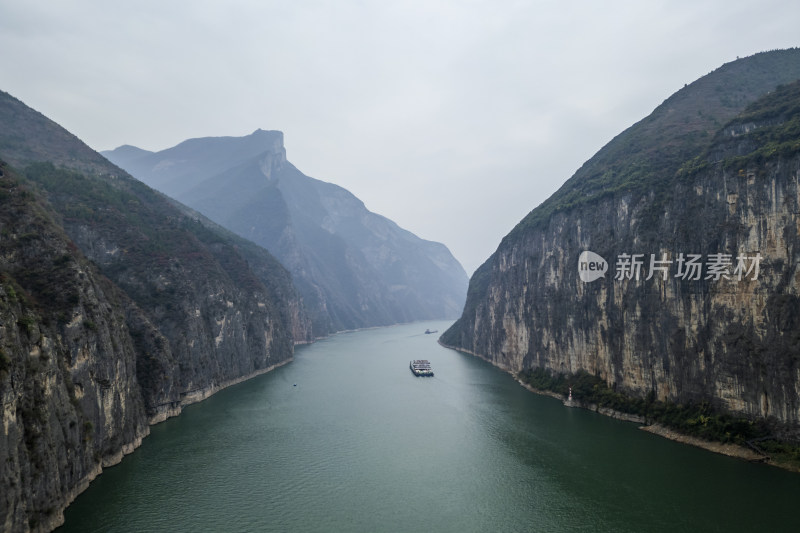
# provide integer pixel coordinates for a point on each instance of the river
(345, 438)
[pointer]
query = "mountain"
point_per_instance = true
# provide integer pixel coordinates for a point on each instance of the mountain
(117, 308)
(666, 268)
(353, 268)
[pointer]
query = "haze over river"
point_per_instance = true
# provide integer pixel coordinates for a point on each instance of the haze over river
(345, 438)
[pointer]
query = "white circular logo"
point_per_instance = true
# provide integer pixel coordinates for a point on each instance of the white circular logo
(591, 266)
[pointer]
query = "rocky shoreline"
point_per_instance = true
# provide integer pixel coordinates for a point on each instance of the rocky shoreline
(731, 450)
(57, 518)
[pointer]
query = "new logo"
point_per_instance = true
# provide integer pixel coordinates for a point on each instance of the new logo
(591, 266)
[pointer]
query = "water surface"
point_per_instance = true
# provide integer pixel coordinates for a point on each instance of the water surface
(345, 438)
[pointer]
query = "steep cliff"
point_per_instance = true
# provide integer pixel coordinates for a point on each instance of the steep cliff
(68, 369)
(668, 265)
(118, 308)
(209, 305)
(353, 267)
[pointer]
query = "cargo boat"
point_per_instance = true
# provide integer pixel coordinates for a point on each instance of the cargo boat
(421, 367)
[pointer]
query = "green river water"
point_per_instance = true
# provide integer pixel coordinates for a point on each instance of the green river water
(345, 438)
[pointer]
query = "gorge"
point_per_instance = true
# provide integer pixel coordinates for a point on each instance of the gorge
(119, 306)
(665, 271)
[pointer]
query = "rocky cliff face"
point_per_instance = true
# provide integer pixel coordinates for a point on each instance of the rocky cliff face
(68, 371)
(354, 268)
(690, 291)
(117, 308)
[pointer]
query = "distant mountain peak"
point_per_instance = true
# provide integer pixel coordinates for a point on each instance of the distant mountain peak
(354, 268)
(128, 151)
(270, 133)
(176, 170)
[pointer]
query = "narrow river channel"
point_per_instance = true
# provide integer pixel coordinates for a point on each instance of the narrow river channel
(345, 438)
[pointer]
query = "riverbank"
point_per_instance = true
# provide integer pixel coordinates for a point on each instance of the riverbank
(56, 519)
(729, 449)
(619, 415)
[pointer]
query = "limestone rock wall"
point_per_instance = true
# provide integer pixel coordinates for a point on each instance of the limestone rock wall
(735, 342)
(690, 219)
(70, 399)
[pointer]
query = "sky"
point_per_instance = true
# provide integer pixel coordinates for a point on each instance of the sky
(454, 118)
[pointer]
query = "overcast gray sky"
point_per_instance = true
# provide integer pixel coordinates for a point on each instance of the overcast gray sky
(454, 118)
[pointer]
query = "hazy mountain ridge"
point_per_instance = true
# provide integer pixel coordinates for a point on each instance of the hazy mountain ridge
(167, 309)
(353, 267)
(27, 136)
(703, 174)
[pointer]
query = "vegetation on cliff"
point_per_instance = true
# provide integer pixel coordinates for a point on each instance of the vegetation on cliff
(646, 157)
(70, 402)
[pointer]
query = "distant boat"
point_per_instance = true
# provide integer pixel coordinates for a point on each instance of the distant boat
(428, 331)
(421, 368)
